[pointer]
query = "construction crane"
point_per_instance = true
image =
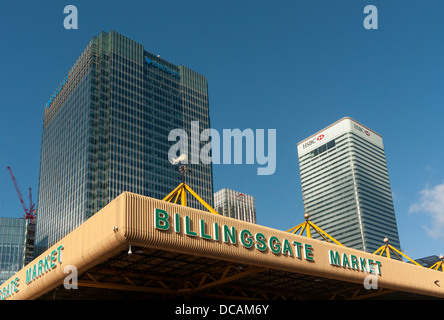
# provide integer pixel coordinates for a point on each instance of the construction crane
(30, 213)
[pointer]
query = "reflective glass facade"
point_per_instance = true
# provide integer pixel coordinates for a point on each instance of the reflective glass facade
(234, 204)
(106, 131)
(345, 185)
(12, 246)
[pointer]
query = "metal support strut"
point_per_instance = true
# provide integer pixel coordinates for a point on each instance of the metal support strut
(305, 226)
(387, 248)
(180, 192)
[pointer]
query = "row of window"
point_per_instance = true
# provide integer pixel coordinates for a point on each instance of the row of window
(329, 145)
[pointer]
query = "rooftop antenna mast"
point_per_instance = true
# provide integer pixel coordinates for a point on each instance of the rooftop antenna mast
(180, 192)
(183, 169)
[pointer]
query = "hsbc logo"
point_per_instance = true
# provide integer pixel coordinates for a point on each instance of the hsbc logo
(361, 129)
(311, 141)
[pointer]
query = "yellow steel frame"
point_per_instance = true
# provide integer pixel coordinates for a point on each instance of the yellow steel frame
(180, 192)
(387, 248)
(305, 226)
(439, 264)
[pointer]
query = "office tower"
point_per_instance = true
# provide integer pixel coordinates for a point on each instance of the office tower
(234, 204)
(345, 185)
(106, 128)
(16, 245)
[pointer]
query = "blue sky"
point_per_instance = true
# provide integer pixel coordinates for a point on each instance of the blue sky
(294, 66)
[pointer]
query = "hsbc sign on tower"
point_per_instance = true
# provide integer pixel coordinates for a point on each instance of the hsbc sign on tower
(312, 141)
(342, 127)
(361, 129)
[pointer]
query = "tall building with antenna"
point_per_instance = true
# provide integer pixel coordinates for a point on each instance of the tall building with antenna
(345, 185)
(105, 131)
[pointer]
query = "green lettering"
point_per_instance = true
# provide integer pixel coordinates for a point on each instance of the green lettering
(59, 249)
(308, 252)
(46, 266)
(202, 230)
(371, 268)
(378, 267)
(53, 258)
(374, 266)
(297, 246)
(260, 242)
(176, 222)
(246, 242)
(28, 275)
(345, 262)
(40, 268)
(334, 258)
(354, 262)
(188, 230)
(161, 219)
(229, 234)
(274, 244)
(16, 284)
(286, 248)
(216, 231)
(363, 264)
(34, 272)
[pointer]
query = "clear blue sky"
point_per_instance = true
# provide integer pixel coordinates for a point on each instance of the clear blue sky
(294, 66)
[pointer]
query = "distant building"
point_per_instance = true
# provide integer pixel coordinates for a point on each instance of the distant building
(427, 261)
(234, 204)
(16, 246)
(345, 185)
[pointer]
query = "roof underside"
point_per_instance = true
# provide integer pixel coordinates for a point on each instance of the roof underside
(159, 274)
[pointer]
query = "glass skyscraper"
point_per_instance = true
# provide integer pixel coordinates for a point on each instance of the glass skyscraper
(13, 246)
(105, 131)
(234, 204)
(345, 185)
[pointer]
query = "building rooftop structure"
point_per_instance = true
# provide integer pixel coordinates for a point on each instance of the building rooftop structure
(140, 248)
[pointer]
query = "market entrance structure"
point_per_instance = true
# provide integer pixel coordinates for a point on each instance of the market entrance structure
(140, 248)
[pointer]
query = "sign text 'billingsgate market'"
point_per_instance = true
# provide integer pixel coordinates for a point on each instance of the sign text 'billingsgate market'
(199, 228)
(163, 221)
